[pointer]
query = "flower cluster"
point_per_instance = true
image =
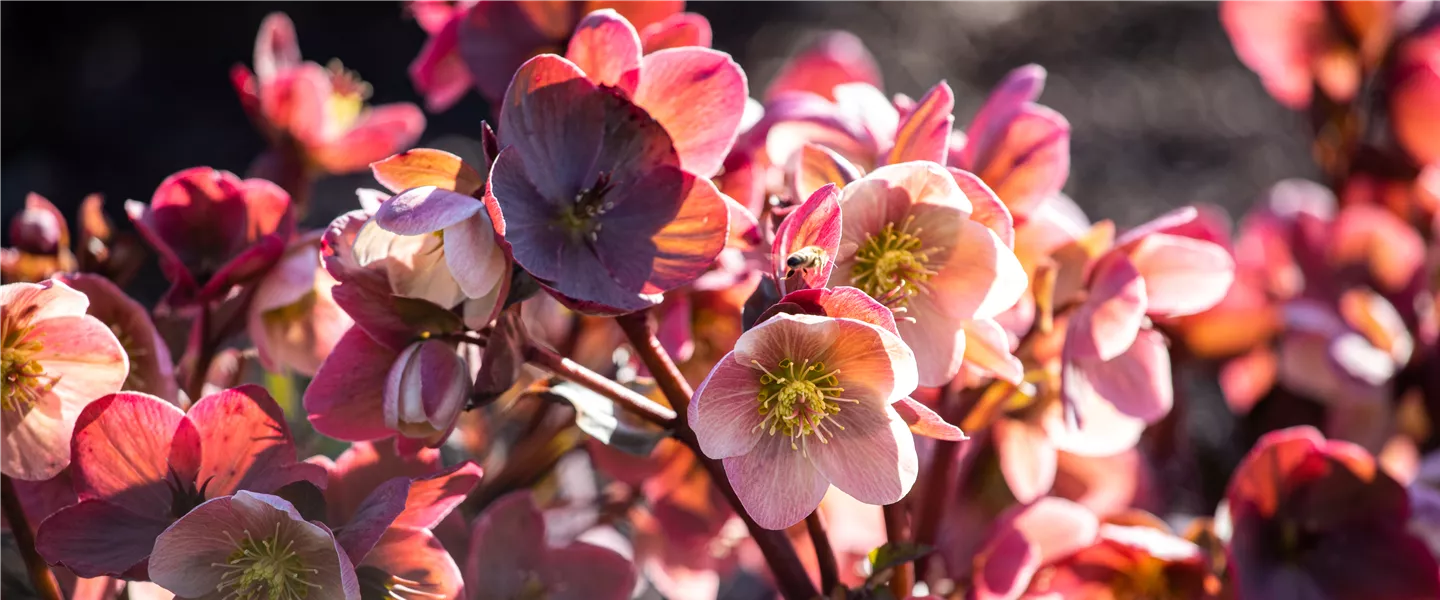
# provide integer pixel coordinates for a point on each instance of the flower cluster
(653, 335)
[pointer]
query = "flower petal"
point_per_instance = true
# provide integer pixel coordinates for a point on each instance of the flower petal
(815, 223)
(416, 555)
(475, 260)
(507, 542)
(988, 209)
(684, 243)
(438, 71)
(121, 452)
(924, 134)
(246, 443)
(776, 484)
(582, 571)
(549, 120)
(607, 48)
(1027, 459)
(422, 210)
(95, 538)
(374, 515)
(675, 31)
(833, 58)
(923, 421)
(276, 47)
(725, 410)
(938, 341)
(872, 458)
(987, 347)
(698, 95)
(1183, 276)
(1019, 88)
(432, 497)
(379, 132)
(980, 277)
(1107, 322)
(814, 166)
(1032, 161)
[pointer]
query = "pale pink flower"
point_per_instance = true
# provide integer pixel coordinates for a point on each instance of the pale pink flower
(805, 401)
(909, 240)
(56, 360)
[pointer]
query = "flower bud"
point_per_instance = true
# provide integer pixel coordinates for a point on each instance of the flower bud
(426, 390)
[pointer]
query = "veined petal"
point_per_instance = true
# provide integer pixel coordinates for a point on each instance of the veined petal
(924, 134)
(980, 277)
(872, 458)
(698, 95)
(379, 132)
(422, 210)
(725, 410)
(776, 484)
(130, 430)
(474, 258)
(1183, 276)
(675, 31)
(344, 401)
(607, 48)
(246, 443)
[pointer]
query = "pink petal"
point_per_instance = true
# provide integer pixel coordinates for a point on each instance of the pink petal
(1058, 528)
(607, 48)
(980, 278)
(416, 555)
(246, 443)
(95, 538)
(1027, 459)
(675, 31)
(938, 341)
(584, 571)
(924, 134)
(1007, 565)
(508, 542)
(1107, 322)
(433, 497)
(1166, 223)
(1413, 106)
(363, 467)
(372, 518)
(923, 421)
(814, 166)
(1375, 237)
(1277, 40)
(1247, 378)
(850, 303)
(295, 102)
(872, 459)
(133, 431)
(683, 248)
(422, 210)
(698, 95)
(428, 167)
(475, 260)
(1009, 98)
(1183, 276)
(725, 410)
(833, 58)
(244, 268)
(1032, 161)
(151, 370)
(379, 132)
(987, 347)
(439, 72)
(276, 47)
(988, 209)
(776, 484)
(815, 223)
(47, 300)
(1137, 382)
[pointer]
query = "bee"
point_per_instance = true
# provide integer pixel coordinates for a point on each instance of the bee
(804, 260)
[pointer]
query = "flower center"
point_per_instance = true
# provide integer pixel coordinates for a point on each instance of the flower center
(375, 583)
(24, 379)
(797, 399)
(534, 589)
(347, 98)
(890, 265)
(264, 569)
(581, 219)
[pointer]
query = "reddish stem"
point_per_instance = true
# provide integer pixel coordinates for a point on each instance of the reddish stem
(40, 576)
(204, 354)
(824, 554)
(619, 394)
(790, 574)
(903, 580)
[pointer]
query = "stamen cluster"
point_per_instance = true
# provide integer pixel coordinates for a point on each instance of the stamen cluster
(798, 398)
(892, 265)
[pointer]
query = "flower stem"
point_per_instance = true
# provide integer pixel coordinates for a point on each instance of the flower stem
(779, 553)
(204, 354)
(937, 480)
(40, 576)
(903, 581)
(824, 554)
(619, 394)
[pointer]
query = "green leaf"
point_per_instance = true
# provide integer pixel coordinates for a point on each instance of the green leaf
(884, 559)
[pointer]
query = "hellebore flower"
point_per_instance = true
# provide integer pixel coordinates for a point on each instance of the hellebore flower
(151, 370)
(140, 463)
(213, 231)
(509, 559)
(805, 401)
(831, 59)
(320, 111)
(1019, 148)
(41, 241)
(696, 94)
(435, 201)
(1316, 518)
(248, 546)
(293, 319)
(908, 241)
(56, 360)
(496, 38)
(1296, 46)
(1027, 538)
(1113, 364)
(591, 196)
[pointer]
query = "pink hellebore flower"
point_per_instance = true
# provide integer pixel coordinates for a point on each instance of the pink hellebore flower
(509, 559)
(1296, 46)
(56, 360)
(1115, 368)
(909, 241)
(321, 110)
(213, 231)
(252, 545)
(140, 463)
(805, 401)
(831, 59)
(592, 199)
(1019, 148)
(495, 38)
(294, 321)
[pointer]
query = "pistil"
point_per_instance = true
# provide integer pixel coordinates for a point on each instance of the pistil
(892, 265)
(264, 569)
(798, 399)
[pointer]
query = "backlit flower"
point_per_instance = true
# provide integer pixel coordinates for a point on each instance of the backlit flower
(1019, 148)
(608, 234)
(252, 546)
(908, 241)
(319, 110)
(140, 463)
(56, 360)
(805, 401)
(293, 320)
(213, 231)
(151, 370)
(1298, 46)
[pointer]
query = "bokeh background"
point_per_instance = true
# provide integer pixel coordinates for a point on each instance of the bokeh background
(113, 97)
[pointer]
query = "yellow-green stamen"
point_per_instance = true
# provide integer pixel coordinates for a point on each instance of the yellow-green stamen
(264, 569)
(24, 379)
(892, 266)
(797, 399)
